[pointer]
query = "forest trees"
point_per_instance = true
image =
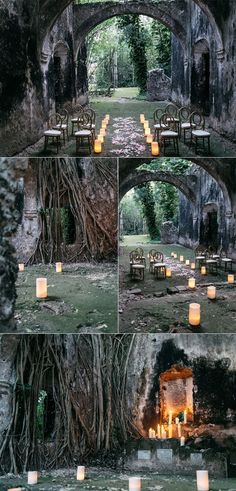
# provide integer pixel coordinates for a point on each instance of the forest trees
(121, 51)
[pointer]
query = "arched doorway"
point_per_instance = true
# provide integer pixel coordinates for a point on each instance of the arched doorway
(209, 226)
(62, 74)
(201, 76)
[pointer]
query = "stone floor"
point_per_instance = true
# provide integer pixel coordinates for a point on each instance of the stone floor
(103, 479)
(146, 306)
(125, 136)
(83, 298)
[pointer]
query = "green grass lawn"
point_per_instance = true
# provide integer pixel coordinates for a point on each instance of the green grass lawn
(127, 92)
(152, 310)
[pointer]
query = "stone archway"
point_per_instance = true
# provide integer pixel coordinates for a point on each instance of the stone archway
(140, 177)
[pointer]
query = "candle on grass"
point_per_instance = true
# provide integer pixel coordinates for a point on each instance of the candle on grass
(202, 480)
(80, 473)
(182, 441)
(21, 267)
(142, 118)
(191, 283)
(230, 279)
(149, 138)
(194, 314)
(146, 124)
(104, 124)
(97, 146)
(185, 416)
(58, 267)
(41, 288)
(193, 266)
(176, 421)
(181, 258)
(203, 270)
(100, 138)
(32, 477)
(134, 484)
(147, 132)
(168, 273)
(187, 262)
(211, 292)
(103, 132)
(155, 149)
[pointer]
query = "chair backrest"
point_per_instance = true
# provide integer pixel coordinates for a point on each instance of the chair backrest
(184, 114)
(152, 253)
(157, 115)
(198, 120)
(84, 121)
(139, 251)
(135, 257)
(159, 257)
(163, 121)
(64, 116)
(223, 254)
(77, 110)
(54, 120)
(92, 114)
(200, 250)
(68, 107)
(171, 110)
(168, 122)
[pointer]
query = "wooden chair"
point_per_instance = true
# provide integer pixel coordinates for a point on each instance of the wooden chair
(84, 133)
(51, 133)
(185, 125)
(157, 125)
(137, 267)
(200, 257)
(92, 114)
(211, 264)
(152, 259)
(76, 116)
(198, 132)
(140, 252)
(169, 134)
(62, 124)
(226, 262)
(159, 267)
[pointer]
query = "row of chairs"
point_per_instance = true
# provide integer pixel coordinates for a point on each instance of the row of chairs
(138, 263)
(83, 119)
(213, 260)
(171, 122)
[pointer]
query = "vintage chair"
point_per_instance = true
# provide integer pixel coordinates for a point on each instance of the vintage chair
(169, 134)
(92, 114)
(140, 251)
(62, 124)
(211, 264)
(198, 132)
(76, 116)
(200, 257)
(152, 259)
(136, 265)
(225, 261)
(159, 266)
(84, 133)
(51, 133)
(184, 122)
(157, 125)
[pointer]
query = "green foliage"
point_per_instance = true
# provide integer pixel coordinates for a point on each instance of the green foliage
(135, 35)
(176, 165)
(131, 215)
(68, 225)
(166, 202)
(144, 195)
(40, 414)
(161, 36)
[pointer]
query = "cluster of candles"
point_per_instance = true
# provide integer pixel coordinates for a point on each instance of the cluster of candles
(41, 283)
(33, 477)
(135, 483)
(101, 136)
(162, 433)
(155, 150)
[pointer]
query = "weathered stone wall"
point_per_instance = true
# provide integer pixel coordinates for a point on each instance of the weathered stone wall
(191, 220)
(158, 86)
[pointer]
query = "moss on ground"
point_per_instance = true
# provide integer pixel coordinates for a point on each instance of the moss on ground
(81, 299)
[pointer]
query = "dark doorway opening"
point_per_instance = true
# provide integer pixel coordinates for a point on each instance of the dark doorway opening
(201, 77)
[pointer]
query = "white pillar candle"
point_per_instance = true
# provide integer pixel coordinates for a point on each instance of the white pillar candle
(181, 258)
(21, 267)
(98, 146)
(59, 267)
(142, 118)
(175, 256)
(194, 314)
(168, 273)
(176, 421)
(231, 279)
(203, 270)
(170, 417)
(41, 288)
(134, 484)
(202, 480)
(32, 477)
(80, 473)
(187, 262)
(158, 431)
(185, 417)
(179, 430)
(155, 149)
(193, 266)
(149, 138)
(146, 124)
(164, 435)
(170, 431)
(191, 283)
(211, 292)
(182, 441)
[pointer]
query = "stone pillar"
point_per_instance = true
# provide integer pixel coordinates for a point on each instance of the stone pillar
(8, 265)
